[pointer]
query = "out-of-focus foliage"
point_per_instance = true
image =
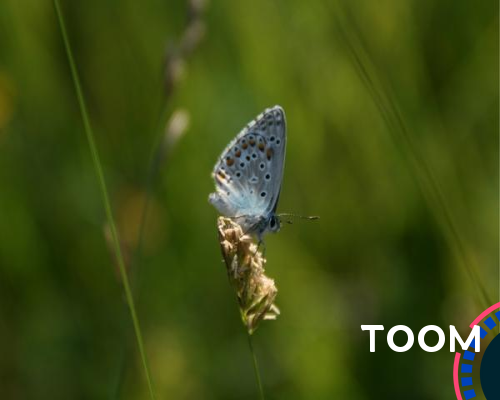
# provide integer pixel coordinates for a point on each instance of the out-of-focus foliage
(379, 254)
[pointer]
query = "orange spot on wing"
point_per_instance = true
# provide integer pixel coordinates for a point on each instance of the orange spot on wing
(261, 146)
(238, 153)
(229, 161)
(244, 146)
(269, 153)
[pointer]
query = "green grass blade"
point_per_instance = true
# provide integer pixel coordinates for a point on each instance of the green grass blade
(255, 367)
(421, 171)
(105, 197)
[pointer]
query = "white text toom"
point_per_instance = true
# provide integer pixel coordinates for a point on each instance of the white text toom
(454, 336)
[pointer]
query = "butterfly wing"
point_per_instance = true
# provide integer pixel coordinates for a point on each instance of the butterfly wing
(249, 172)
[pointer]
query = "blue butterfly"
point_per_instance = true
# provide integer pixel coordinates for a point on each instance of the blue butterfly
(249, 173)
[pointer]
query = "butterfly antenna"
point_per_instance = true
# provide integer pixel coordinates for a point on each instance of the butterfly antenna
(310, 218)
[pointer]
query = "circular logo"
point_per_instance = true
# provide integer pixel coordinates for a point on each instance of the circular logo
(476, 373)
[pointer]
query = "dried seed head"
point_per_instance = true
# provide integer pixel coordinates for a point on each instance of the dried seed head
(245, 267)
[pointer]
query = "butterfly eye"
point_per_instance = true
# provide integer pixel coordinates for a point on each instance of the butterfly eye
(273, 224)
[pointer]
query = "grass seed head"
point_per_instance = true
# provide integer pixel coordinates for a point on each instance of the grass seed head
(245, 268)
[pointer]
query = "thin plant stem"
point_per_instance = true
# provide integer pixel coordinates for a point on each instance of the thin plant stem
(421, 171)
(255, 366)
(158, 151)
(105, 197)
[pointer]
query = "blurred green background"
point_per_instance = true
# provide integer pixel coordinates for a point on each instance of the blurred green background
(392, 112)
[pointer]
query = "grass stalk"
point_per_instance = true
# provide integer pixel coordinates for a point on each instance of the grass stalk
(421, 171)
(105, 197)
(255, 367)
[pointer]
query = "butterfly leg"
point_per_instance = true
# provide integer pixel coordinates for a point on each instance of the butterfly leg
(264, 248)
(259, 244)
